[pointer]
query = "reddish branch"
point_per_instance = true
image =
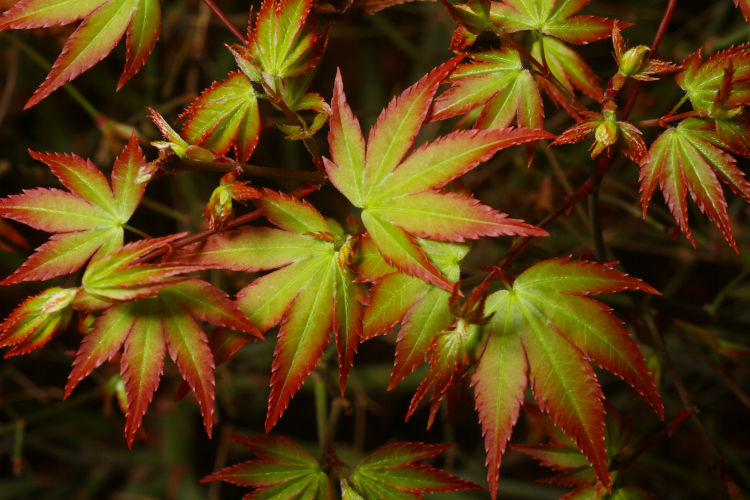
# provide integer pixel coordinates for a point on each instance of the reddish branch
(225, 20)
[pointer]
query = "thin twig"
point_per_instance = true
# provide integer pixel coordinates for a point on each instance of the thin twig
(225, 20)
(658, 37)
(253, 170)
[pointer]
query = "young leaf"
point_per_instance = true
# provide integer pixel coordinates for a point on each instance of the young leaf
(567, 66)
(399, 196)
(311, 294)
(391, 471)
(685, 159)
(87, 220)
(607, 131)
(146, 329)
(104, 23)
(728, 70)
(551, 18)
(499, 82)
(225, 115)
(744, 5)
(282, 469)
(544, 329)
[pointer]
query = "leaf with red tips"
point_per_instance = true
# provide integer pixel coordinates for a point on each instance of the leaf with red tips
(744, 6)
(545, 321)
(348, 323)
(141, 363)
(568, 67)
(225, 115)
(10, 235)
(284, 41)
(551, 18)
(283, 469)
(103, 25)
(39, 318)
(704, 82)
(383, 180)
(391, 471)
(143, 31)
(683, 160)
(88, 220)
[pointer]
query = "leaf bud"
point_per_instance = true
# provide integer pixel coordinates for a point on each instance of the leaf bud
(605, 134)
(633, 59)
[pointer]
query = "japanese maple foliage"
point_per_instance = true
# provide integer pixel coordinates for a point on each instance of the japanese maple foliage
(409, 253)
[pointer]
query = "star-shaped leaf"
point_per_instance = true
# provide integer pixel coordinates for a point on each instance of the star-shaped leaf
(282, 469)
(87, 220)
(685, 159)
(145, 330)
(551, 17)
(104, 23)
(391, 471)
(545, 330)
(399, 193)
(312, 292)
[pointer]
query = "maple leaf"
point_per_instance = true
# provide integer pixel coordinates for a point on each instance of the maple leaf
(391, 471)
(422, 309)
(546, 330)
(145, 329)
(472, 17)
(550, 17)
(686, 159)
(715, 87)
(104, 23)
(497, 81)
(86, 221)
(311, 294)
(12, 237)
(399, 194)
(567, 66)
(282, 469)
(224, 115)
(282, 43)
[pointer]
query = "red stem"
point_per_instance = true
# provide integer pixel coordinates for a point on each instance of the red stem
(662, 121)
(658, 37)
(225, 20)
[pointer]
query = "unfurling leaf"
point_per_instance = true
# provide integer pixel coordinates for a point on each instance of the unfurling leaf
(607, 131)
(634, 62)
(86, 221)
(104, 23)
(399, 192)
(685, 159)
(282, 469)
(545, 330)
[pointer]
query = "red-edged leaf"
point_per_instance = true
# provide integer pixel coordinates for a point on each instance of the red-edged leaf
(104, 24)
(302, 339)
(704, 82)
(89, 220)
(555, 456)
(683, 161)
(141, 363)
(389, 301)
(551, 18)
(39, 318)
(143, 31)
(348, 321)
(568, 67)
(225, 115)
(543, 321)
(291, 213)
(283, 469)
(744, 5)
(390, 471)
(10, 235)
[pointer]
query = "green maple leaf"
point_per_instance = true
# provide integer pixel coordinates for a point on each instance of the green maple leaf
(145, 329)
(399, 193)
(311, 293)
(86, 221)
(497, 81)
(282, 469)
(391, 472)
(545, 331)
(550, 17)
(104, 23)
(686, 159)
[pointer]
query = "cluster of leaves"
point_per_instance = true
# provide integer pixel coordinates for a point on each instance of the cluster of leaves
(398, 264)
